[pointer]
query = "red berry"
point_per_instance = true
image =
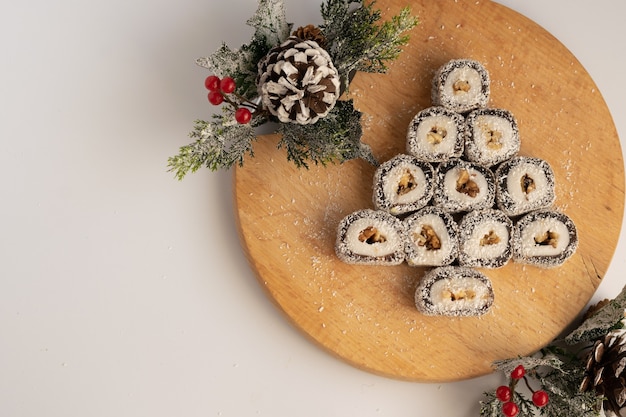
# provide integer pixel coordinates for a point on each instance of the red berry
(216, 98)
(510, 409)
(212, 83)
(540, 398)
(503, 393)
(227, 85)
(518, 373)
(243, 115)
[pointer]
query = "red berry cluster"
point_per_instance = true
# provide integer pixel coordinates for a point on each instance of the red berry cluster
(504, 393)
(218, 93)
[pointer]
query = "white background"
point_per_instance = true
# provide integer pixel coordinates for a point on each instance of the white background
(124, 292)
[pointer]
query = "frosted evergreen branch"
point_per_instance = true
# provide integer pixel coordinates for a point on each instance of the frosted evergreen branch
(609, 317)
(560, 368)
(335, 14)
(385, 44)
(335, 138)
(529, 363)
(490, 406)
(357, 42)
(565, 397)
(270, 22)
(239, 64)
(271, 29)
(218, 144)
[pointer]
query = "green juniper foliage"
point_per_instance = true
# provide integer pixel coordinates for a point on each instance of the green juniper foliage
(356, 42)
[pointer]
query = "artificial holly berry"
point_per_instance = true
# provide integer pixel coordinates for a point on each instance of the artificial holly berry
(518, 373)
(216, 98)
(540, 398)
(503, 393)
(243, 115)
(510, 409)
(212, 83)
(227, 85)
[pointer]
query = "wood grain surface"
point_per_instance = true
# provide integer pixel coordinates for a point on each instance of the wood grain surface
(365, 315)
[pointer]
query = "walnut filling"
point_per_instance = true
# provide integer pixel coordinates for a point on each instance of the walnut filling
(494, 139)
(371, 235)
(528, 184)
(406, 184)
(490, 238)
(436, 135)
(459, 295)
(427, 238)
(547, 238)
(465, 184)
(461, 86)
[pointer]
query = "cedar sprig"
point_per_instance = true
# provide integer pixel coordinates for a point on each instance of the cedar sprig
(333, 139)
(356, 39)
(220, 143)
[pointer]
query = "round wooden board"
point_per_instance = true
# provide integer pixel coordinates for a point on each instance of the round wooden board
(364, 314)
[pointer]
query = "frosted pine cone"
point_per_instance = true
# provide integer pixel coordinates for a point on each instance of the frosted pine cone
(311, 33)
(298, 82)
(605, 372)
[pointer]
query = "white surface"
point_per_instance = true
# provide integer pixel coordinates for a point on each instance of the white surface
(124, 292)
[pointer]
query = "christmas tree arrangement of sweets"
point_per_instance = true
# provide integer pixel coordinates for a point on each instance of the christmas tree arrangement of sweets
(460, 199)
(294, 78)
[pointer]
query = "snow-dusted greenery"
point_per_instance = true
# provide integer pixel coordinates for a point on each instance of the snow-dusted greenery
(340, 132)
(559, 369)
(356, 41)
(609, 317)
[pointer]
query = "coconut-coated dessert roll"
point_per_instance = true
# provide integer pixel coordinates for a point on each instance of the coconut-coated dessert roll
(403, 185)
(544, 238)
(436, 134)
(524, 184)
(463, 186)
(370, 237)
(454, 291)
(491, 136)
(485, 239)
(461, 85)
(431, 238)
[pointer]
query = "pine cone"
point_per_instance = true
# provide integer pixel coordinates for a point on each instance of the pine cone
(310, 33)
(605, 372)
(595, 308)
(298, 82)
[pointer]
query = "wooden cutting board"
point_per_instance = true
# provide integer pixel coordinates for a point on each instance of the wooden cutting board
(364, 314)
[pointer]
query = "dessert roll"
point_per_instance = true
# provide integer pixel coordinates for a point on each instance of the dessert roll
(544, 238)
(436, 134)
(431, 238)
(485, 239)
(491, 136)
(461, 85)
(524, 184)
(370, 237)
(463, 186)
(403, 184)
(454, 291)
